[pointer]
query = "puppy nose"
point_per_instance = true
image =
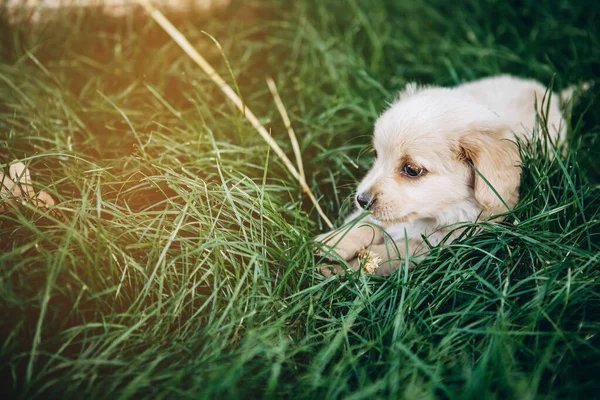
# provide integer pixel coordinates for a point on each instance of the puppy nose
(365, 201)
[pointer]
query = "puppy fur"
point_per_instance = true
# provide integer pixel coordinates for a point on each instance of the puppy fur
(433, 146)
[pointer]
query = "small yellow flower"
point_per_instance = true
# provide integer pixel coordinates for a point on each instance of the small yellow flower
(370, 261)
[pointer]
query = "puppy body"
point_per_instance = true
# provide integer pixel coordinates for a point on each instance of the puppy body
(444, 156)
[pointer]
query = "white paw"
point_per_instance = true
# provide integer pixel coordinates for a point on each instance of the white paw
(331, 244)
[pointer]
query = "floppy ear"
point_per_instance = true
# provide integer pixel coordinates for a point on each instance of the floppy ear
(495, 156)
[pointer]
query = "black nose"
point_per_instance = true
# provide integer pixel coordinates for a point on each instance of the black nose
(365, 201)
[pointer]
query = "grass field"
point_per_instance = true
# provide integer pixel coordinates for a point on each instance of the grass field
(178, 263)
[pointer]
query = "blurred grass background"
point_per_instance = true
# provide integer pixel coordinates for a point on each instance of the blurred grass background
(179, 264)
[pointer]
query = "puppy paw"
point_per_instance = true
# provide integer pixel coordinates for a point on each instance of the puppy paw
(370, 263)
(329, 270)
(329, 245)
(347, 241)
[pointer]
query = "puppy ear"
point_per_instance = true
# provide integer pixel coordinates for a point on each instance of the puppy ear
(495, 156)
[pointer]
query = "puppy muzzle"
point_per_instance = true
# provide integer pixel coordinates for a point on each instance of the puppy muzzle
(365, 201)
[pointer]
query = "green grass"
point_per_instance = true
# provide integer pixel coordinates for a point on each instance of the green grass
(179, 264)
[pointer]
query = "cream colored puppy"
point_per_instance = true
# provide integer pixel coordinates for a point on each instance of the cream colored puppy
(434, 146)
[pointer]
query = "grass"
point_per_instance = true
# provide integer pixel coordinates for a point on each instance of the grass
(179, 264)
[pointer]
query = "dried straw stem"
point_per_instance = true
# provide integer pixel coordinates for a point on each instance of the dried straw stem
(288, 125)
(178, 37)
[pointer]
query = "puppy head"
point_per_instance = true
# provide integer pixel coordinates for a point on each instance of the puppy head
(433, 145)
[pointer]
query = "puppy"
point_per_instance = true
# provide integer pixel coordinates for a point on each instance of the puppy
(444, 156)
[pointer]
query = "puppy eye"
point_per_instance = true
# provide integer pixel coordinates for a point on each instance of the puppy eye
(412, 171)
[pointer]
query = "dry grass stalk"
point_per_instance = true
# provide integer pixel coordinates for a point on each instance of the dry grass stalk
(178, 37)
(42, 10)
(288, 125)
